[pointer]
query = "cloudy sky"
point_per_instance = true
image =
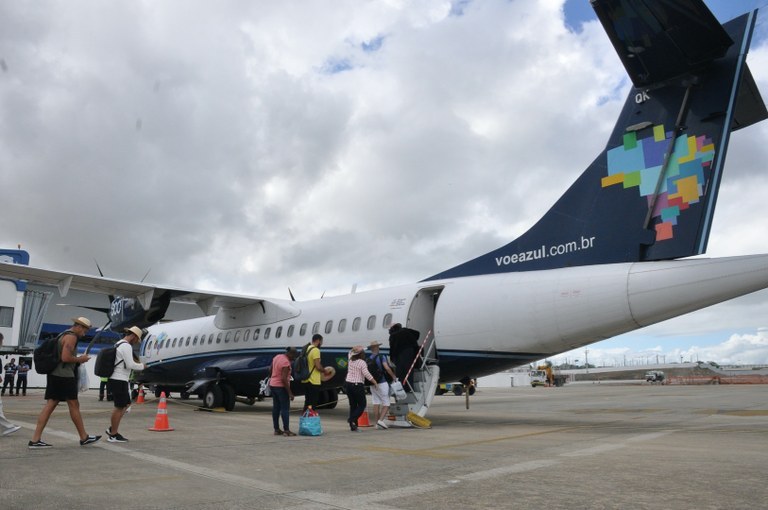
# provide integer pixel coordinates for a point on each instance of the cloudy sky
(252, 146)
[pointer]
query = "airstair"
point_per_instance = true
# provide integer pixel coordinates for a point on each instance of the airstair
(421, 391)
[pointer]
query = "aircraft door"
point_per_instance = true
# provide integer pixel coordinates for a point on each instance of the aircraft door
(421, 317)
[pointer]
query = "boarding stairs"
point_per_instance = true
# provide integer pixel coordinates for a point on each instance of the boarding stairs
(421, 391)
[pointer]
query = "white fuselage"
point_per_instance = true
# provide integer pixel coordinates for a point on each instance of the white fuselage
(481, 324)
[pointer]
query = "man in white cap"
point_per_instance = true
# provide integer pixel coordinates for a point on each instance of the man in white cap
(62, 385)
(380, 394)
(117, 384)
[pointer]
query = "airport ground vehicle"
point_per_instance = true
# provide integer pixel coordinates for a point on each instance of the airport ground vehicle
(545, 375)
(654, 376)
(457, 388)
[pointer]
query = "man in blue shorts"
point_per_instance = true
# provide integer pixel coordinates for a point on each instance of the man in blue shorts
(62, 385)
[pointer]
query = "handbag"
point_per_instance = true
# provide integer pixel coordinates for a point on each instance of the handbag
(83, 384)
(309, 423)
(397, 390)
(264, 388)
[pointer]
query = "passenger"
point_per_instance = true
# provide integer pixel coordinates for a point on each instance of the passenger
(357, 371)
(117, 384)
(403, 346)
(10, 374)
(316, 370)
(380, 394)
(61, 384)
(8, 427)
(280, 387)
(103, 388)
(21, 377)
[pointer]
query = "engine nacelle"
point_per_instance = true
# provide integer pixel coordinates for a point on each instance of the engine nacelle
(125, 312)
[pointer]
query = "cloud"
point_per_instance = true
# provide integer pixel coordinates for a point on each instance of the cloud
(251, 147)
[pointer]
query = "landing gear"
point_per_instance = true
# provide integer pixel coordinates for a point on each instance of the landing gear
(458, 389)
(213, 397)
(219, 394)
(328, 399)
(229, 396)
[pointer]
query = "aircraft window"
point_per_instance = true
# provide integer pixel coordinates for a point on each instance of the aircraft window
(315, 327)
(290, 330)
(356, 324)
(371, 322)
(279, 332)
(303, 329)
(210, 339)
(218, 338)
(228, 337)
(266, 333)
(247, 335)
(342, 325)
(174, 342)
(387, 322)
(256, 334)
(237, 335)
(189, 339)
(194, 341)
(328, 327)
(167, 342)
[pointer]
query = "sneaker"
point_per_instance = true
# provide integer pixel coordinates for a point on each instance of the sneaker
(380, 424)
(117, 438)
(37, 445)
(89, 440)
(8, 432)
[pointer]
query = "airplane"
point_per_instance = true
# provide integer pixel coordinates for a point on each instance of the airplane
(612, 254)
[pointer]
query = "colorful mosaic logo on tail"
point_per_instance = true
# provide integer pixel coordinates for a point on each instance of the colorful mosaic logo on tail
(638, 163)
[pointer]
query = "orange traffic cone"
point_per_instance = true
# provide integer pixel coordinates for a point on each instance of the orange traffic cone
(161, 420)
(362, 421)
(140, 400)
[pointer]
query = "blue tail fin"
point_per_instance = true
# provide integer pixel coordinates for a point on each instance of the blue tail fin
(651, 194)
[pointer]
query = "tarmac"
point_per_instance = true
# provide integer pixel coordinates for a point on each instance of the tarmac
(588, 446)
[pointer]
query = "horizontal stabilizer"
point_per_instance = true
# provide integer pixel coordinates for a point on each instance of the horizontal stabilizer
(750, 108)
(658, 40)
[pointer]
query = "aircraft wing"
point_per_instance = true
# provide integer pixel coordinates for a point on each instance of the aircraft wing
(144, 292)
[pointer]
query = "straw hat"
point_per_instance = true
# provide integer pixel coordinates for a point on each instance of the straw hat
(82, 321)
(135, 331)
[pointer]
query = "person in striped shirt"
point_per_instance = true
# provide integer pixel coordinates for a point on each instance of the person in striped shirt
(357, 372)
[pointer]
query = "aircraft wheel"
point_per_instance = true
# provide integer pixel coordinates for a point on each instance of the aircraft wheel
(332, 398)
(472, 390)
(214, 396)
(439, 391)
(458, 390)
(229, 396)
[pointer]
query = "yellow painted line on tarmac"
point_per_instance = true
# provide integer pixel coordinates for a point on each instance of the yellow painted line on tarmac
(433, 451)
(129, 481)
(338, 459)
(428, 452)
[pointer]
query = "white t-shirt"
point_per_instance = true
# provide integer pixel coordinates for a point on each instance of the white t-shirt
(123, 370)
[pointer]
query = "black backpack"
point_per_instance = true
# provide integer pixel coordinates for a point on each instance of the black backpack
(300, 368)
(47, 357)
(375, 368)
(105, 361)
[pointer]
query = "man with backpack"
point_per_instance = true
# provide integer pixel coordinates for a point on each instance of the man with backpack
(117, 384)
(61, 385)
(311, 384)
(380, 394)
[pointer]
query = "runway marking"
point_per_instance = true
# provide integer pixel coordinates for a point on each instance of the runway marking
(372, 500)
